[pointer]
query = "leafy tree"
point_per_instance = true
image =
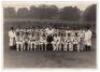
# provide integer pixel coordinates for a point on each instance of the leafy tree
(43, 12)
(9, 13)
(33, 12)
(69, 13)
(22, 13)
(90, 13)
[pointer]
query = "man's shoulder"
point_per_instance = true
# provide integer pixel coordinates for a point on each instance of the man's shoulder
(89, 31)
(46, 28)
(9, 31)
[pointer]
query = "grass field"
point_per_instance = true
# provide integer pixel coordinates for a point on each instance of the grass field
(13, 59)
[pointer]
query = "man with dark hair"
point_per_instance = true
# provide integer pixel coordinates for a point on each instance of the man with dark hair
(49, 33)
(87, 39)
(11, 35)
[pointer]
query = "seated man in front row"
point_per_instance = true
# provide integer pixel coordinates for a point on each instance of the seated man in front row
(68, 43)
(56, 43)
(19, 41)
(76, 42)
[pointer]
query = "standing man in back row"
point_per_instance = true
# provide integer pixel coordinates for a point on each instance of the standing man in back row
(87, 39)
(49, 34)
(12, 35)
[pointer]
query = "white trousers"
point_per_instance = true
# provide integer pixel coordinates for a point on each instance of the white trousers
(68, 46)
(19, 45)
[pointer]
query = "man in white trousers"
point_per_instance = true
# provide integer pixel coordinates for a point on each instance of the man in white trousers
(68, 44)
(19, 41)
(87, 39)
(11, 35)
(56, 43)
(76, 41)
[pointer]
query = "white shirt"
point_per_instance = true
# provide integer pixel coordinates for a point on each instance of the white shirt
(68, 31)
(42, 40)
(11, 35)
(49, 32)
(82, 34)
(62, 39)
(88, 36)
(68, 39)
(76, 40)
(56, 39)
(18, 30)
(19, 38)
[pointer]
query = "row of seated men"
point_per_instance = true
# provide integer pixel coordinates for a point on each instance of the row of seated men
(50, 39)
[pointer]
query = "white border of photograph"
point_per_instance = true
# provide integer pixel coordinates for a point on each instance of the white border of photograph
(50, 69)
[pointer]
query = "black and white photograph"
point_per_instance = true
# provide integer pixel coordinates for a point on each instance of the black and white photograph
(49, 34)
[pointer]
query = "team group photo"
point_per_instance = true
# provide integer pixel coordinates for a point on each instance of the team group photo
(49, 34)
(50, 39)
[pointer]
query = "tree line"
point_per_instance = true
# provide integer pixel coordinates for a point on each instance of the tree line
(67, 13)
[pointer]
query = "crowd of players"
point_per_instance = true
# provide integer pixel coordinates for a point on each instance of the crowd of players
(50, 39)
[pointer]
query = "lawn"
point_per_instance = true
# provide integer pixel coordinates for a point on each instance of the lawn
(13, 59)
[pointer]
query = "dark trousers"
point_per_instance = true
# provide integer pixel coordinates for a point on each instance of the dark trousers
(13, 47)
(74, 47)
(42, 47)
(49, 38)
(49, 47)
(26, 46)
(62, 47)
(87, 48)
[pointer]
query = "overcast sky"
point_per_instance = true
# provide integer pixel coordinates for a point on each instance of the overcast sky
(81, 5)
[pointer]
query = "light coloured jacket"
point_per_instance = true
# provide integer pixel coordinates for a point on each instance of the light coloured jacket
(88, 36)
